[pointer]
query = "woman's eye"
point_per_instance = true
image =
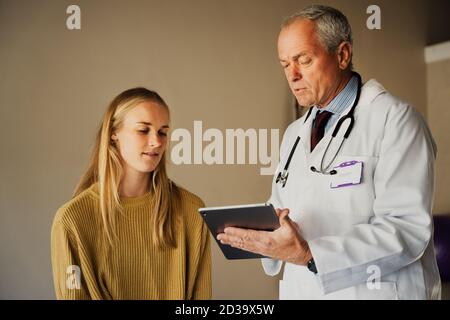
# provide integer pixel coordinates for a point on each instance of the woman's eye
(143, 130)
(164, 134)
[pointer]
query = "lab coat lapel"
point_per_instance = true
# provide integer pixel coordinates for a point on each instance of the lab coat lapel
(305, 134)
(369, 91)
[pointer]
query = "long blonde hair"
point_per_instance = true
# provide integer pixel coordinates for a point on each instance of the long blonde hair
(105, 168)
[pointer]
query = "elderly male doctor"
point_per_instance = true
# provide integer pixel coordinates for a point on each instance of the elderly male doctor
(355, 212)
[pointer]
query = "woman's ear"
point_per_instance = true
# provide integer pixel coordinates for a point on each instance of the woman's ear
(344, 53)
(114, 137)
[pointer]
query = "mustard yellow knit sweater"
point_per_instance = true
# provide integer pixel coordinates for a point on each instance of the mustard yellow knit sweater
(85, 266)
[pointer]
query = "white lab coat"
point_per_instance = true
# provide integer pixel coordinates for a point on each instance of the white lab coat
(372, 240)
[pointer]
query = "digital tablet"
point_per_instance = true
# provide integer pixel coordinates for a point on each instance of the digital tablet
(252, 216)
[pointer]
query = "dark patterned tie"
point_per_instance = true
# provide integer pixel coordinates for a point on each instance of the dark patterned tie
(318, 128)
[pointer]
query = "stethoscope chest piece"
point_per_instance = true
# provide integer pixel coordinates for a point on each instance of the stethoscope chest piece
(282, 178)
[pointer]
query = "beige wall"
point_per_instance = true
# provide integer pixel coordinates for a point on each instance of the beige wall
(438, 90)
(213, 61)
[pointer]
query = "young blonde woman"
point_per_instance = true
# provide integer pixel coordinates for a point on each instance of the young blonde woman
(129, 232)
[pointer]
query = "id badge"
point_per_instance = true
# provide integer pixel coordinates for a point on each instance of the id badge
(348, 174)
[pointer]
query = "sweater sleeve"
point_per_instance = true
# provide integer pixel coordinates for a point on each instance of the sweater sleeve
(67, 273)
(202, 287)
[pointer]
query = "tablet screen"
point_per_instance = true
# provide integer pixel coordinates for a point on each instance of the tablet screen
(252, 216)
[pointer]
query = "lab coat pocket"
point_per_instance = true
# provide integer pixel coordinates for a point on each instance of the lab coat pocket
(289, 291)
(355, 199)
(298, 290)
(379, 291)
(294, 290)
(282, 290)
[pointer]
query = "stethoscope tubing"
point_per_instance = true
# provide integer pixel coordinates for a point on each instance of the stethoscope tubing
(283, 176)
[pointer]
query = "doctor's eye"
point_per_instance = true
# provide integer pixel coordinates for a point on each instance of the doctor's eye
(305, 62)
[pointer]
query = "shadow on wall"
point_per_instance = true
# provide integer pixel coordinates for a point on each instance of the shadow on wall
(442, 247)
(437, 21)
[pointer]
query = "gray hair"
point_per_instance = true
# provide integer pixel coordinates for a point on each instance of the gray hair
(332, 25)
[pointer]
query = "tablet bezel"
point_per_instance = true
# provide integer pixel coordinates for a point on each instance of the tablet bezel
(261, 216)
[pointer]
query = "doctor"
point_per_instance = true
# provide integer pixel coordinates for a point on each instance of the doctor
(354, 187)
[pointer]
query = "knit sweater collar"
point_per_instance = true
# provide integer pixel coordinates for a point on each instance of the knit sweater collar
(144, 199)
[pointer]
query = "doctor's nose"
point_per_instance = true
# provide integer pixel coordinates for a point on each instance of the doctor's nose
(293, 73)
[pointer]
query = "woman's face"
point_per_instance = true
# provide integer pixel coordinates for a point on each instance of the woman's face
(142, 137)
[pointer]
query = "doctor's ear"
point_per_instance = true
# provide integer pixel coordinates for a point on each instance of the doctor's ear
(344, 54)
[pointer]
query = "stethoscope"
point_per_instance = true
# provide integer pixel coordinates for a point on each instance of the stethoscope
(283, 175)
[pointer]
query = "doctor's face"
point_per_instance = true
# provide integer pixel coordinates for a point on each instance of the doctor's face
(313, 74)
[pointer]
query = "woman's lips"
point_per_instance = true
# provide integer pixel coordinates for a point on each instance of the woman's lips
(150, 154)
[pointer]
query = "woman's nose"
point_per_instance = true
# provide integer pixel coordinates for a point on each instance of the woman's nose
(154, 140)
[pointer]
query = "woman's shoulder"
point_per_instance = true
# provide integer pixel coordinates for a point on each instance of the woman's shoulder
(78, 210)
(189, 204)
(189, 198)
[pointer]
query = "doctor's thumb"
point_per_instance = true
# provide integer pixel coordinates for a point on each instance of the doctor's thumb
(283, 215)
(280, 211)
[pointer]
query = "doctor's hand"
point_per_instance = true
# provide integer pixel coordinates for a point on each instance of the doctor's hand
(286, 243)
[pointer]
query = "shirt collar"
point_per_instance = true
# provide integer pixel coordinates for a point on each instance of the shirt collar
(344, 99)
